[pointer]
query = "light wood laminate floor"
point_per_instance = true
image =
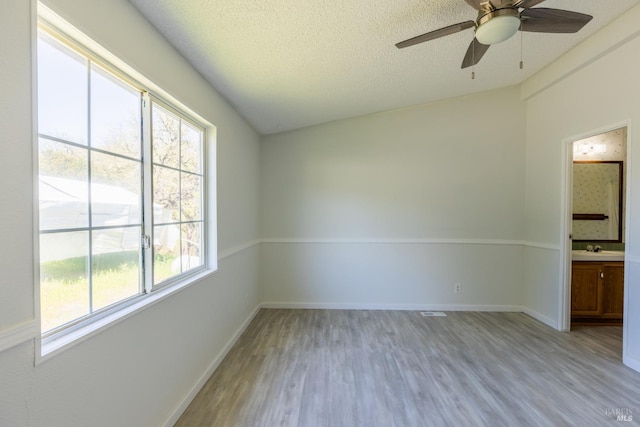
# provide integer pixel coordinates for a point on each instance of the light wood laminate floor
(352, 368)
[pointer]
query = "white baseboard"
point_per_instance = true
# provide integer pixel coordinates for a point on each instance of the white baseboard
(403, 307)
(540, 317)
(177, 412)
(632, 363)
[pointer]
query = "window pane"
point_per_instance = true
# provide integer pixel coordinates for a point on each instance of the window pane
(62, 91)
(63, 189)
(64, 272)
(166, 193)
(191, 197)
(177, 194)
(191, 147)
(62, 160)
(166, 137)
(166, 252)
(115, 190)
(191, 244)
(115, 114)
(115, 261)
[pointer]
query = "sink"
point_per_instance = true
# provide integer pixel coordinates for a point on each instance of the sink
(583, 255)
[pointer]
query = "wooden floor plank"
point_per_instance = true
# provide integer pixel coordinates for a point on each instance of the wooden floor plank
(351, 368)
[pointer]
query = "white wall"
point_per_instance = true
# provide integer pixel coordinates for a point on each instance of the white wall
(139, 371)
(593, 87)
(392, 209)
(16, 259)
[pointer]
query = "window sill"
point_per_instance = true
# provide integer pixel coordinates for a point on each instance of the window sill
(65, 340)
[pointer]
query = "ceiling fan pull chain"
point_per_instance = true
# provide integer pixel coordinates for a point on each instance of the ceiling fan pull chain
(521, 37)
(473, 58)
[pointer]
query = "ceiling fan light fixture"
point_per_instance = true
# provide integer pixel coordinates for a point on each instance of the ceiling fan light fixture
(498, 26)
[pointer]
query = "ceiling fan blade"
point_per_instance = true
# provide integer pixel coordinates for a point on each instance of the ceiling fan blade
(525, 4)
(474, 53)
(451, 29)
(542, 20)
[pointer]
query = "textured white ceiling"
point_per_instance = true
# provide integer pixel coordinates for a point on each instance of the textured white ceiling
(286, 64)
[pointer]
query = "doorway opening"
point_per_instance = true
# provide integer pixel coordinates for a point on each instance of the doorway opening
(596, 213)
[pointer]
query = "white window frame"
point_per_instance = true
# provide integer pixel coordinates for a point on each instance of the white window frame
(56, 342)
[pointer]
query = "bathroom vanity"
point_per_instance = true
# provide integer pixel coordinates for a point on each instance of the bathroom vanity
(597, 287)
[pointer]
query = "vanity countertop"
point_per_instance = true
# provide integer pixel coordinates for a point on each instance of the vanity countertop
(582, 255)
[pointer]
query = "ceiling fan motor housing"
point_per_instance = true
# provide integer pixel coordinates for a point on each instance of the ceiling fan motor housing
(497, 25)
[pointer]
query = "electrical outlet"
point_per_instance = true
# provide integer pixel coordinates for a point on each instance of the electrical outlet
(457, 288)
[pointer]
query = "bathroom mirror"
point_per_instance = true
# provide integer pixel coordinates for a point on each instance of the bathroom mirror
(597, 201)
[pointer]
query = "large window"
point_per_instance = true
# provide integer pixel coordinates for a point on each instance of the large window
(121, 185)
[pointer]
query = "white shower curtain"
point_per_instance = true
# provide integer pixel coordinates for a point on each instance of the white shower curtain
(614, 215)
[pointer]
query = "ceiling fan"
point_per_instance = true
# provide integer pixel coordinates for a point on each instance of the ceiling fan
(499, 20)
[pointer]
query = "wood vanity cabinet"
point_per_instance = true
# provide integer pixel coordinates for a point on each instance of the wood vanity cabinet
(613, 290)
(597, 290)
